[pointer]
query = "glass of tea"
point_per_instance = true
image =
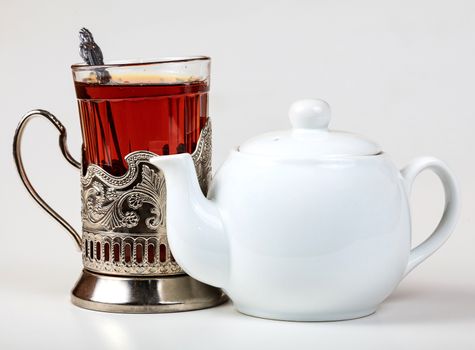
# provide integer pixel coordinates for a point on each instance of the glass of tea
(158, 106)
(129, 113)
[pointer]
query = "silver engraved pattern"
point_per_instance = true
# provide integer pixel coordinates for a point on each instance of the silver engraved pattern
(124, 217)
(202, 157)
(134, 256)
(114, 205)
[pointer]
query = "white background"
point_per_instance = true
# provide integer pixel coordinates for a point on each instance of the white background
(399, 72)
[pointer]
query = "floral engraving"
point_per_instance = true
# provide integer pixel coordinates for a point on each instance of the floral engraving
(133, 207)
(111, 208)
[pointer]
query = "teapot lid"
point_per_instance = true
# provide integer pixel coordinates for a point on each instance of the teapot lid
(309, 136)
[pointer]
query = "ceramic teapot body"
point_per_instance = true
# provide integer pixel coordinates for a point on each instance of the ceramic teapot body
(301, 238)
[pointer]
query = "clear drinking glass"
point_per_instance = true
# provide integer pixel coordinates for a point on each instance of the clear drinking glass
(159, 106)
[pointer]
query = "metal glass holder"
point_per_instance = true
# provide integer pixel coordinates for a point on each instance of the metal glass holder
(128, 265)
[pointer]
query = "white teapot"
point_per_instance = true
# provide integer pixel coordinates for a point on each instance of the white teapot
(306, 224)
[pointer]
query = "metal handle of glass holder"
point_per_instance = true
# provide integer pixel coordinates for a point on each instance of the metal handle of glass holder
(21, 169)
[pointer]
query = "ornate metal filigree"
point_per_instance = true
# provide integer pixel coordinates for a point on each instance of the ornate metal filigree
(122, 254)
(124, 217)
(202, 157)
(113, 203)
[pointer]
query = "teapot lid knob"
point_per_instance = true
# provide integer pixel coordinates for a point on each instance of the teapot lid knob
(310, 114)
(309, 137)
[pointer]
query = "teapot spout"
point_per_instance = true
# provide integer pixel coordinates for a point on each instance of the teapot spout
(194, 227)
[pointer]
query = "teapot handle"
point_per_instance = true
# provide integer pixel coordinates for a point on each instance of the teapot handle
(21, 170)
(449, 217)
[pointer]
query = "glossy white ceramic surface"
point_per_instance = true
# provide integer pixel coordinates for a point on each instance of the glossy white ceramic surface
(309, 136)
(306, 239)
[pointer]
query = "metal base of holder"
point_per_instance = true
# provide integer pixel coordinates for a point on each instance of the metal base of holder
(143, 294)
